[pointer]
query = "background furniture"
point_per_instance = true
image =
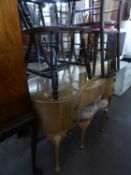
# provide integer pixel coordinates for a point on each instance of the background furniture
(15, 105)
(104, 24)
(53, 38)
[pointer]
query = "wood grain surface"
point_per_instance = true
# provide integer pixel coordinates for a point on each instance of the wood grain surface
(14, 97)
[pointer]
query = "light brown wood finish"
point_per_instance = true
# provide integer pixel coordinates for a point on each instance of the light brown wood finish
(94, 89)
(14, 97)
(75, 92)
(58, 116)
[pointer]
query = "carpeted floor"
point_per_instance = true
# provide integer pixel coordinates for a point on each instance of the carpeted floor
(107, 153)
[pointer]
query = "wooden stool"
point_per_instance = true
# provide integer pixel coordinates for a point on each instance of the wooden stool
(56, 116)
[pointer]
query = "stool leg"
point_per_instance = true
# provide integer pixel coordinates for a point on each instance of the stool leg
(83, 132)
(83, 127)
(56, 141)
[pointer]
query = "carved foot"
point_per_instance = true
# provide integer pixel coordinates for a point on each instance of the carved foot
(82, 146)
(58, 168)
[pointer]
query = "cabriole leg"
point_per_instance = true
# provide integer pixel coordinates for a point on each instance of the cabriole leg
(83, 127)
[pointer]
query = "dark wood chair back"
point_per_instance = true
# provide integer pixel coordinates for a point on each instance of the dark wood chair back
(102, 13)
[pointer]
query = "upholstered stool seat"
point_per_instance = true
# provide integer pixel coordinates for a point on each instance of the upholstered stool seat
(88, 112)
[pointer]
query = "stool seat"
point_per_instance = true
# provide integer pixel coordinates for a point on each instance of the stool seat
(88, 112)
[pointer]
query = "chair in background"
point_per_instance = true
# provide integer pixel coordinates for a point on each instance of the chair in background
(103, 26)
(52, 37)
